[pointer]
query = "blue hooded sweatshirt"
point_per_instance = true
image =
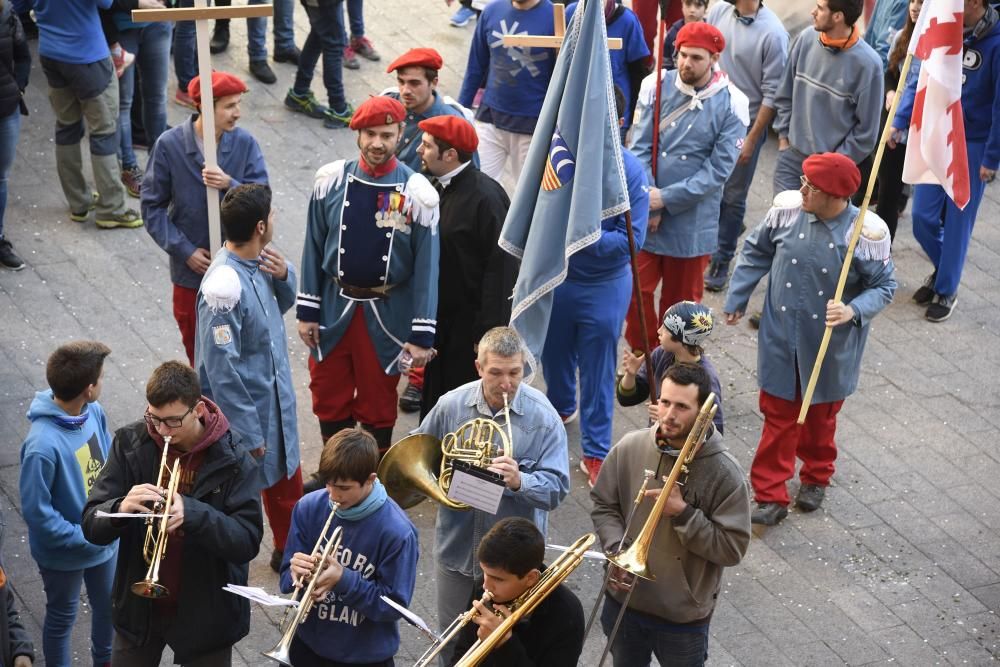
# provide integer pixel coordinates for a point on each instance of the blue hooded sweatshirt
(60, 460)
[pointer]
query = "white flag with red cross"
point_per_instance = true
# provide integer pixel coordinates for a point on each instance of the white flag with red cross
(935, 148)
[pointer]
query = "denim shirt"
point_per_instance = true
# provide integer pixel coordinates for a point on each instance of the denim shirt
(540, 450)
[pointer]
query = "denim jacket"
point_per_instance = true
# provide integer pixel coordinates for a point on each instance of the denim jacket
(541, 452)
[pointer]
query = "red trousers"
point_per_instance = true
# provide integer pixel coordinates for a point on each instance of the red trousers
(350, 384)
(646, 11)
(415, 376)
(186, 314)
(278, 503)
(683, 280)
(782, 440)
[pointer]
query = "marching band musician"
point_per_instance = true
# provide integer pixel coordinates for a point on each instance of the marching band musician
(705, 526)
(536, 477)
(350, 624)
(510, 556)
(215, 526)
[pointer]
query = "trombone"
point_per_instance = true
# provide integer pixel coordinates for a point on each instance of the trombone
(326, 546)
(450, 633)
(154, 546)
(635, 559)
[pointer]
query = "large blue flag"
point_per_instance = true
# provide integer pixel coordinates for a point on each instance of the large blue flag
(572, 179)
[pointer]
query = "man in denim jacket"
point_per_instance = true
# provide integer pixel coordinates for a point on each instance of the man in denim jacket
(537, 477)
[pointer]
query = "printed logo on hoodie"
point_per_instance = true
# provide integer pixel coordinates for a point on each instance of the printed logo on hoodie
(91, 461)
(329, 609)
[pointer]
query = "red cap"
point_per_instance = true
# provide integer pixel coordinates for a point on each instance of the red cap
(378, 110)
(833, 173)
(223, 83)
(700, 35)
(417, 58)
(455, 130)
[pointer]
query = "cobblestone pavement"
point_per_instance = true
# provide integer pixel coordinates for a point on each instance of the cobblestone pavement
(901, 565)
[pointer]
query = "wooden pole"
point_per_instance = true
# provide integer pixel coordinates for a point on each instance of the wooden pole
(654, 391)
(553, 41)
(661, 36)
(201, 14)
(855, 234)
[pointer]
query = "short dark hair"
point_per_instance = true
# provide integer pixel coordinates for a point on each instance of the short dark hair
(685, 374)
(173, 381)
(851, 9)
(514, 545)
(703, 3)
(242, 208)
(619, 101)
(351, 454)
(75, 366)
(442, 145)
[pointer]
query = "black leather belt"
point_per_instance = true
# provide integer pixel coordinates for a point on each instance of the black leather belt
(364, 293)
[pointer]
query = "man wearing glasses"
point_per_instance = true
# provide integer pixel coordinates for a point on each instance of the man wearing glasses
(801, 243)
(215, 527)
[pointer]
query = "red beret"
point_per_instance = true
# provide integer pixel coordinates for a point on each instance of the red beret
(223, 83)
(456, 131)
(417, 58)
(700, 35)
(833, 173)
(378, 110)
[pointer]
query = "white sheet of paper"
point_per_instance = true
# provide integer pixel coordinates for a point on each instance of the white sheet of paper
(472, 490)
(260, 596)
(101, 514)
(411, 618)
(595, 555)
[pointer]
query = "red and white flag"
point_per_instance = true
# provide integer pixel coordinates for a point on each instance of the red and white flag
(935, 148)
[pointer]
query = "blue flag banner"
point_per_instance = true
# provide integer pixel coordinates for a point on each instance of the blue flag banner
(572, 178)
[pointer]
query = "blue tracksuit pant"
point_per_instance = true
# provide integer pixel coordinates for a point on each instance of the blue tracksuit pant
(942, 230)
(583, 333)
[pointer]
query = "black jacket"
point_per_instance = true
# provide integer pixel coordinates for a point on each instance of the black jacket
(14, 640)
(15, 61)
(552, 636)
(222, 533)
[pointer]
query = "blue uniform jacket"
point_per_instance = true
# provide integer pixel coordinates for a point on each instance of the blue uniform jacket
(697, 153)
(542, 456)
(354, 239)
(174, 205)
(406, 151)
(241, 353)
(804, 261)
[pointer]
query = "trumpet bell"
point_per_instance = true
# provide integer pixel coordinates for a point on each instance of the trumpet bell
(408, 472)
(150, 589)
(279, 654)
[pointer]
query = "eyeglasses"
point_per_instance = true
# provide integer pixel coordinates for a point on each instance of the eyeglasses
(807, 185)
(169, 422)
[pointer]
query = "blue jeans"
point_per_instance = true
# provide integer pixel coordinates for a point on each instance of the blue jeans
(356, 18)
(734, 206)
(788, 170)
(326, 38)
(151, 46)
(10, 128)
(641, 635)
(62, 597)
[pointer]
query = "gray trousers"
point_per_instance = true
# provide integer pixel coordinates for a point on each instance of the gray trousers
(787, 170)
(126, 654)
(454, 590)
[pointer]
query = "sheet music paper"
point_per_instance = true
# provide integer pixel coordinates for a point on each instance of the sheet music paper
(595, 555)
(475, 487)
(260, 596)
(411, 618)
(101, 514)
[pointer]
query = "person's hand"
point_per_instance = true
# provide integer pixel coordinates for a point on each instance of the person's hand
(328, 578)
(273, 263)
(733, 318)
(655, 199)
(620, 581)
(837, 313)
(140, 494)
(890, 95)
(653, 223)
(631, 363)
(506, 466)
(309, 333)
(258, 452)
(747, 151)
(302, 565)
(675, 501)
(488, 621)
(987, 175)
(420, 355)
(214, 177)
(653, 411)
(895, 138)
(22, 661)
(783, 144)
(176, 512)
(199, 261)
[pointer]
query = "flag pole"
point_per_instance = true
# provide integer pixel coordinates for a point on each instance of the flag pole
(637, 295)
(855, 234)
(658, 63)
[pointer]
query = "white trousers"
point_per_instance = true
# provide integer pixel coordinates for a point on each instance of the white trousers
(496, 147)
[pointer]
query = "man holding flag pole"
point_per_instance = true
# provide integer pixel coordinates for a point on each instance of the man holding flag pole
(953, 148)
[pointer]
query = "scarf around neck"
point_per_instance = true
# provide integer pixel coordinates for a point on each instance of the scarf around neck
(366, 507)
(983, 25)
(841, 44)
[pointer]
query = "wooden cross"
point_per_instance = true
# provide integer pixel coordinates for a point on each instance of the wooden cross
(201, 14)
(553, 41)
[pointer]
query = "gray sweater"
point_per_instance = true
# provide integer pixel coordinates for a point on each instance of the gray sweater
(830, 100)
(690, 550)
(755, 53)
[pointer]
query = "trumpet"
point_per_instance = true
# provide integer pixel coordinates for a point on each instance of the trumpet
(154, 545)
(326, 545)
(451, 632)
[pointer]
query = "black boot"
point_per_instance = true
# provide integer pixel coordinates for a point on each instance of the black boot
(383, 438)
(328, 430)
(220, 37)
